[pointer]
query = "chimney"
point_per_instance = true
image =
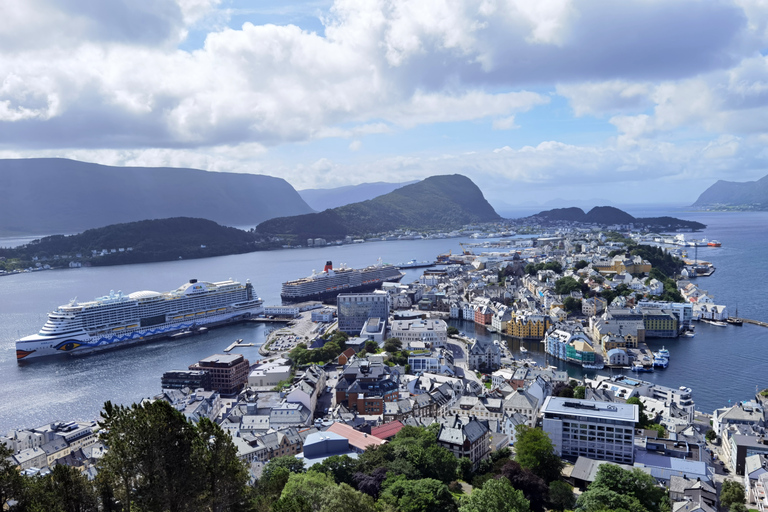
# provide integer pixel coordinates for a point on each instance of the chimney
(328, 266)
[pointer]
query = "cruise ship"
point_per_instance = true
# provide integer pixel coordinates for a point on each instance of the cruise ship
(329, 283)
(117, 320)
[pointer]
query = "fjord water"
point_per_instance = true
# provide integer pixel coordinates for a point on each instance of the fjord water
(720, 363)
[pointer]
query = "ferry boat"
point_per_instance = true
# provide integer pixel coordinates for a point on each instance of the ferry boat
(664, 352)
(416, 264)
(660, 362)
(328, 284)
(117, 320)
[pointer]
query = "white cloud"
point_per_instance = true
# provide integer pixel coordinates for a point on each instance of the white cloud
(506, 123)
(355, 145)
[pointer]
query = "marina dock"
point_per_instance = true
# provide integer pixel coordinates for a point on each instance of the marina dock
(754, 322)
(237, 344)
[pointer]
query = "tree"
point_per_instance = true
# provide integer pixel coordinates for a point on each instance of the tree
(65, 489)
(317, 492)
(731, 493)
(566, 285)
(158, 460)
(496, 495)
(579, 392)
(393, 345)
(615, 487)
(562, 389)
(371, 484)
(452, 331)
(342, 468)
(572, 305)
(424, 495)
(580, 265)
(710, 435)
(536, 452)
(533, 487)
(152, 462)
(371, 347)
(561, 495)
(464, 469)
(11, 482)
(225, 476)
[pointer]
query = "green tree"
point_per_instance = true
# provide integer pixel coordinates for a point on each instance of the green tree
(566, 285)
(317, 492)
(496, 495)
(464, 469)
(341, 468)
(225, 476)
(579, 392)
(371, 347)
(731, 493)
(572, 305)
(452, 331)
(11, 482)
(615, 487)
(393, 345)
(424, 495)
(580, 265)
(65, 489)
(157, 460)
(536, 452)
(561, 495)
(710, 435)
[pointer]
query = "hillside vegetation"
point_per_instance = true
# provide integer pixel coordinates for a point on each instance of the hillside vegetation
(749, 195)
(141, 242)
(55, 195)
(608, 215)
(436, 203)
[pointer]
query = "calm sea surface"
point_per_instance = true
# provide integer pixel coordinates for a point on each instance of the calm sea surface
(720, 363)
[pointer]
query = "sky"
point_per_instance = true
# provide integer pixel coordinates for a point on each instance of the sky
(538, 102)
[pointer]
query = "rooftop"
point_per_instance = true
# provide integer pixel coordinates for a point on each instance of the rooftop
(578, 407)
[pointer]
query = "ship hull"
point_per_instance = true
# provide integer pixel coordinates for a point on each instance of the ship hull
(329, 296)
(81, 343)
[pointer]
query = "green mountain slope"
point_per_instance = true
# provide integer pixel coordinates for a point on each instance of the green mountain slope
(55, 195)
(137, 242)
(749, 195)
(436, 203)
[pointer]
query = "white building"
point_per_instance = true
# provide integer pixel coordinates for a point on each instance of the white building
(597, 430)
(433, 332)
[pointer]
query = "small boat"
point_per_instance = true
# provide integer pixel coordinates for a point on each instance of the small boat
(660, 362)
(688, 334)
(637, 367)
(596, 366)
(663, 353)
(523, 349)
(718, 323)
(714, 243)
(735, 321)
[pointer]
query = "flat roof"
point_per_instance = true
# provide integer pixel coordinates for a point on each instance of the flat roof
(580, 407)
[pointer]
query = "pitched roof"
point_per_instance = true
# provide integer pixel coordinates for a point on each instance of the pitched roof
(358, 439)
(387, 430)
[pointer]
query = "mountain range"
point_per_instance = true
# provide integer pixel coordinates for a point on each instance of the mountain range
(436, 203)
(54, 195)
(320, 199)
(749, 195)
(608, 215)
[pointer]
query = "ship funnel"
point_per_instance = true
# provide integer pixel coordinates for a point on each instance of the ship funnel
(328, 266)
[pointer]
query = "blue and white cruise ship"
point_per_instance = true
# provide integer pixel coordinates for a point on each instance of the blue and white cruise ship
(117, 320)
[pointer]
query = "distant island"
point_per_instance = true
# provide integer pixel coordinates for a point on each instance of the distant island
(55, 195)
(604, 216)
(439, 202)
(732, 195)
(134, 242)
(436, 203)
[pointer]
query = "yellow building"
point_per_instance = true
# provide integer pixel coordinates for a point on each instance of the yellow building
(528, 326)
(623, 263)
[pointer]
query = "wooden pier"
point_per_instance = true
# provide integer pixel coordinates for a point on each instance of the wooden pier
(754, 322)
(236, 344)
